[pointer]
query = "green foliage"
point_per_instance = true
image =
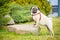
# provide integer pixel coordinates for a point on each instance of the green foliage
(3, 11)
(2, 2)
(20, 14)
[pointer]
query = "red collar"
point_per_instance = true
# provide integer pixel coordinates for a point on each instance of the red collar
(37, 14)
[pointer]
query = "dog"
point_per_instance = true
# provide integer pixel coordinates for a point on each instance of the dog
(39, 17)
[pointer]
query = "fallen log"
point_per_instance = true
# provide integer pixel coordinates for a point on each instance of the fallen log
(23, 29)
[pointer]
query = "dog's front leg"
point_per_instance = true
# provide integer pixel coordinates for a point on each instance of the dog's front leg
(36, 22)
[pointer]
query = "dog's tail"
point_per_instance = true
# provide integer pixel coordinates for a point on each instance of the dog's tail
(50, 17)
(50, 14)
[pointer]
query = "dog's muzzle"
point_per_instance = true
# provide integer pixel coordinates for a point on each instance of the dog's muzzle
(34, 12)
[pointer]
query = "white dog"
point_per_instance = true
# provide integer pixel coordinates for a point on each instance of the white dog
(38, 17)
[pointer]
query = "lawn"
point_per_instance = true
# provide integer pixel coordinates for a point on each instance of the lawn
(43, 34)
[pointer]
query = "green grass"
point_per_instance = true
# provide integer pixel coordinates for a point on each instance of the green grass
(43, 35)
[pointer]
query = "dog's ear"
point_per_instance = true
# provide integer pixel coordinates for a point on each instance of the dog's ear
(38, 8)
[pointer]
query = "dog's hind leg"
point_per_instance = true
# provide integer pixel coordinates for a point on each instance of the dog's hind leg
(50, 30)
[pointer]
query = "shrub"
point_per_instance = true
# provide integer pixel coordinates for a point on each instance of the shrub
(3, 11)
(20, 14)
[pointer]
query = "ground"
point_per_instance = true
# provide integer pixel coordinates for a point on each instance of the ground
(43, 35)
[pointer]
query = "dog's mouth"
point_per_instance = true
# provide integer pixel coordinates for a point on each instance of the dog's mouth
(35, 11)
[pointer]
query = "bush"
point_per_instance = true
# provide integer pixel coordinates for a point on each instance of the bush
(3, 11)
(20, 14)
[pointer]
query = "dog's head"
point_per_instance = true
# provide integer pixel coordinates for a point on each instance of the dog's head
(34, 9)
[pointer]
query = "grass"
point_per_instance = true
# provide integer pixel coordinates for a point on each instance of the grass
(43, 35)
